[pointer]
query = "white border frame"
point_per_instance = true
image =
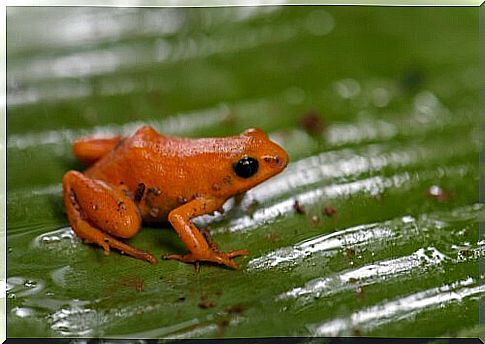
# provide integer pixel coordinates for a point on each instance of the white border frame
(136, 3)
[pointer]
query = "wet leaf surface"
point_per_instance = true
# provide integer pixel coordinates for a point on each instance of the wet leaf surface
(371, 230)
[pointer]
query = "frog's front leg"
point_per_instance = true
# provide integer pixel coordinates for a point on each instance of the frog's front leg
(96, 209)
(180, 218)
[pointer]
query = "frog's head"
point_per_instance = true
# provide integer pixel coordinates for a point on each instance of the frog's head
(260, 159)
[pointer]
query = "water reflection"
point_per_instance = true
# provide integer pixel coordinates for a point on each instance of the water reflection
(371, 186)
(400, 309)
(18, 287)
(76, 321)
(105, 60)
(62, 240)
(405, 228)
(419, 262)
(60, 28)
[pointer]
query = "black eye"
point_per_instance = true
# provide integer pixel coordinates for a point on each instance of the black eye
(246, 167)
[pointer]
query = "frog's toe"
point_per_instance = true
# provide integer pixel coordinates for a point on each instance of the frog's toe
(237, 253)
(148, 257)
(188, 258)
(218, 258)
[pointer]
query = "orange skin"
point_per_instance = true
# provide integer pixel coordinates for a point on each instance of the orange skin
(154, 178)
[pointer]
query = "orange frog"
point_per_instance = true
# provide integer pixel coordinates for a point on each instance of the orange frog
(154, 178)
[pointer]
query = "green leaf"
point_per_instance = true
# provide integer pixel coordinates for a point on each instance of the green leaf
(377, 108)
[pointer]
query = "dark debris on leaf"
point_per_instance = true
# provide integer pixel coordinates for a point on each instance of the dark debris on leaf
(299, 208)
(205, 303)
(235, 309)
(412, 79)
(312, 122)
(329, 211)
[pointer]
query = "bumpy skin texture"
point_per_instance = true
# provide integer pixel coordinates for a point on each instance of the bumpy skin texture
(154, 178)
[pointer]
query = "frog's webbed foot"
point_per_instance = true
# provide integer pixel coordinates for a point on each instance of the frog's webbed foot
(213, 257)
(200, 244)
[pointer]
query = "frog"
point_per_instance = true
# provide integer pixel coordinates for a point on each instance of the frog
(150, 178)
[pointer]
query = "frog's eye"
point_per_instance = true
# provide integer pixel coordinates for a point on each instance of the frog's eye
(246, 167)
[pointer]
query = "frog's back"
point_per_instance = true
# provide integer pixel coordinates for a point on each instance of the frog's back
(153, 159)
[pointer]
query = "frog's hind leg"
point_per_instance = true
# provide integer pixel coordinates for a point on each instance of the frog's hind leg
(89, 150)
(95, 210)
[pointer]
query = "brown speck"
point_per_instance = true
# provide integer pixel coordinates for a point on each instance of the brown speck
(181, 299)
(329, 211)
(216, 187)
(350, 252)
(154, 191)
(227, 180)
(312, 122)
(300, 209)
(140, 190)
(154, 212)
(204, 303)
(356, 332)
(181, 200)
(235, 309)
(136, 283)
(121, 205)
(221, 326)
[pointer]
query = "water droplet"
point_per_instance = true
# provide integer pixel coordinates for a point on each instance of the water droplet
(426, 102)
(23, 312)
(30, 284)
(319, 23)
(61, 240)
(347, 88)
(21, 287)
(381, 97)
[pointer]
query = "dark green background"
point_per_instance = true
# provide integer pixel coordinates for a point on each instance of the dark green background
(396, 90)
